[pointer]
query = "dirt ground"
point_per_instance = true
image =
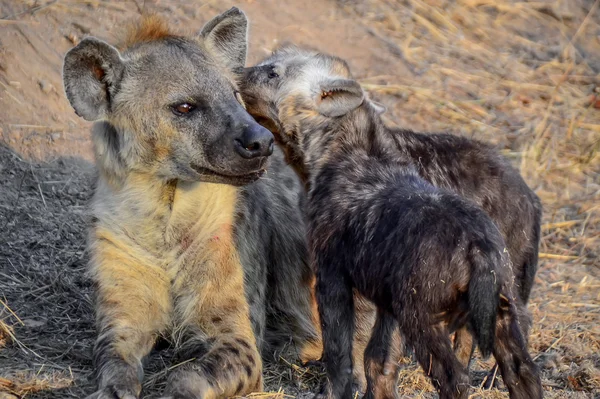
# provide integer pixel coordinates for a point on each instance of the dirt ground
(524, 75)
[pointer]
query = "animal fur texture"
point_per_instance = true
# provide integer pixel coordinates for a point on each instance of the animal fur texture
(425, 256)
(187, 243)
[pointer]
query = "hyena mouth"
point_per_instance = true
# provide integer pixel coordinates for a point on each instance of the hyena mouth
(210, 176)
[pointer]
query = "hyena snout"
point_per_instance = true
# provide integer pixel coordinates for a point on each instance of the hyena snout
(255, 141)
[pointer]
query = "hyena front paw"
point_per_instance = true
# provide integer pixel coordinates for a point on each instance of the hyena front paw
(113, 392)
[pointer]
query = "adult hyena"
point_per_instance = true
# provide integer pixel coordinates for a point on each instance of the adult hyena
(430, 260)
(466, 167)
(184, 234)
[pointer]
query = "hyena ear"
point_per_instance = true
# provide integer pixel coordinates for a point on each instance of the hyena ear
(226, 36)
(378, 107)
(90, 72)
(337, 97)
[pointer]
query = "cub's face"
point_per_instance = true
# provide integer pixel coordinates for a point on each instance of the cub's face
(295, 91)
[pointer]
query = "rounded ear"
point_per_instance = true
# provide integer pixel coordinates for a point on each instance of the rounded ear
(337, 97)
(90, 71)
(226, 36)
(378, 107)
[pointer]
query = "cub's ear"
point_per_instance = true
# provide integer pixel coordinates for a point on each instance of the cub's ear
(226, 36)
(337, 97)
(378, 107)
(90, 73)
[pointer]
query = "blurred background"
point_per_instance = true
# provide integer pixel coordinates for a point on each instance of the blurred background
(523, 75)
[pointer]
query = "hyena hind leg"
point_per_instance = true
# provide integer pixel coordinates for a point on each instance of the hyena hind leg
(519, 372)
(433, 351)
(381, 377)
(464, 346)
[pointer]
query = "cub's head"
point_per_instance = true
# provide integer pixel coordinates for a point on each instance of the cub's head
(297, 92)
(169, 105)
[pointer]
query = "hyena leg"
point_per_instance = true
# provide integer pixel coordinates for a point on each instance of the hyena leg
(133, 303)
(433, 351)
(519, 372)
(312, 351)
(214, 336)
(336, 311)
(381, 380)
(524, 322)
(364, 319)
(464, 346)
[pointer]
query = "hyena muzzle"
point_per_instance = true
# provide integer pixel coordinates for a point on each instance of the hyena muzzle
(184, 234)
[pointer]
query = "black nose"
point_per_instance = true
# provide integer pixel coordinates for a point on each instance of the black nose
(255, 141)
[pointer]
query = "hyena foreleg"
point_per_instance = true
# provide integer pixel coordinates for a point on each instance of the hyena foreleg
(213, 334)
(336, 311)
(382, 376)
(133, 303)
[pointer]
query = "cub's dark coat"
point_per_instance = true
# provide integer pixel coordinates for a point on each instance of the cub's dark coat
(378, 226)
(466, 167)
(424, 256)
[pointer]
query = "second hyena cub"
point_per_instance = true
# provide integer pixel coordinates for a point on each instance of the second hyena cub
(429, 260)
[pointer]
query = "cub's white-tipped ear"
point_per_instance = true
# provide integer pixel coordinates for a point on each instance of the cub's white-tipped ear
(90, 71)
(339, 96)
(378, 107)
(226, 36)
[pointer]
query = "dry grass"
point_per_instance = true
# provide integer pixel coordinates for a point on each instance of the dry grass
(22, 385)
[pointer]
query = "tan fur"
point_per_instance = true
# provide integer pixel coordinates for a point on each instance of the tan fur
(149, 28)
(183, 248)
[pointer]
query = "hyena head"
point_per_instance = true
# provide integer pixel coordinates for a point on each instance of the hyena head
(298, 93)
(169, 104)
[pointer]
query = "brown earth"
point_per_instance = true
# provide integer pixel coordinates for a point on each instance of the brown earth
(522, 75)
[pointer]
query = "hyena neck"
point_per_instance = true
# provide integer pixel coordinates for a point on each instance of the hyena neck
(360, 133)
(139, 200)
(115, 153)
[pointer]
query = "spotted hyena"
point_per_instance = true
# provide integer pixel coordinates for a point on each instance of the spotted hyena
(185, 233)
(466, 167)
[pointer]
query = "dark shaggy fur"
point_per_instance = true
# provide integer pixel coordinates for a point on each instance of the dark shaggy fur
(424, 256)
(469, 168)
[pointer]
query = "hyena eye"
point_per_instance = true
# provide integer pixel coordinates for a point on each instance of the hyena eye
(183, 109)
(272, 74)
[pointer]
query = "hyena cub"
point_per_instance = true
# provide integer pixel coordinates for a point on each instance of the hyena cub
(469, 168)
(429, 260)
(179, 249)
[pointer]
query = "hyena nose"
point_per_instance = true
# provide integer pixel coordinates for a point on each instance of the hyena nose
(256, 141)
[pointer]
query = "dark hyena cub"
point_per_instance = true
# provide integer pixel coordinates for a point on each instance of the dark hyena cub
(469, 168)
(427, 258)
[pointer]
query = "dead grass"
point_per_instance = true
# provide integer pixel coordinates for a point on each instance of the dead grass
(22, 385)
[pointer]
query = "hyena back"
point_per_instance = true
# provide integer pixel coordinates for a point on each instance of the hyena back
(174, 252)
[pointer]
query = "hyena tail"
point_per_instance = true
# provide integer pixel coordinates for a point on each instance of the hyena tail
(484, 294)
